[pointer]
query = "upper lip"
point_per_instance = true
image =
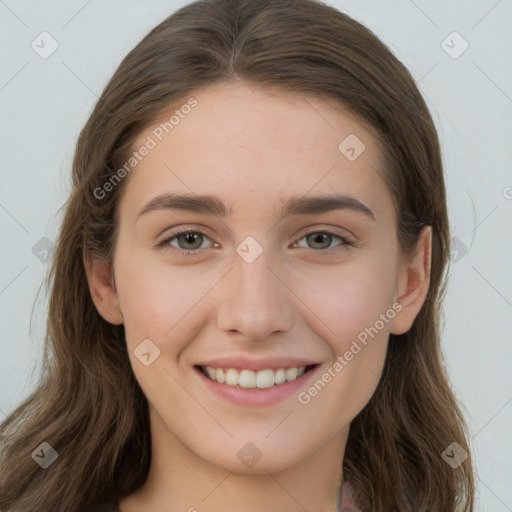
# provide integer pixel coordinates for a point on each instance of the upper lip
(245, 363)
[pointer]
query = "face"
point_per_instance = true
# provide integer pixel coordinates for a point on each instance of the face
(288, 297)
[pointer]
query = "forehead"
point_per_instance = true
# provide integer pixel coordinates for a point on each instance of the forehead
(248, 145)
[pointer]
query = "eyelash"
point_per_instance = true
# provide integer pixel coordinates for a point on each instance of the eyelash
(165, 244)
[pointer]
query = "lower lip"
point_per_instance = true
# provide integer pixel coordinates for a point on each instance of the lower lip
(254, 397)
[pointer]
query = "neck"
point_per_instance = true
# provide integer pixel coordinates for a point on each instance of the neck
(181, 480)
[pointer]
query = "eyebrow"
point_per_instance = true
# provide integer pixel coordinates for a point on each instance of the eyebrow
(300, 205)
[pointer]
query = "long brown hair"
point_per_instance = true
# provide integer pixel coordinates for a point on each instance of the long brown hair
(88, 405)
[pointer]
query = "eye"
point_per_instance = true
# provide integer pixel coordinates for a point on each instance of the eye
(324, 238)
(189, 241)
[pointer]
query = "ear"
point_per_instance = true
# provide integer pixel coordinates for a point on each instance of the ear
(413, 282)
(100, 276)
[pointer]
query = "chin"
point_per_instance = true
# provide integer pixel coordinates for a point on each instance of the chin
(251, 458)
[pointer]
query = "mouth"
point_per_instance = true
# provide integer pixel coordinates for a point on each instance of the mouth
(251, 379)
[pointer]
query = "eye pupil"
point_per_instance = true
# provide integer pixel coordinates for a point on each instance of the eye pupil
(322, 237)
(191, 238)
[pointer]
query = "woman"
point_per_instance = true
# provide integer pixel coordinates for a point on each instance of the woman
(252, 370)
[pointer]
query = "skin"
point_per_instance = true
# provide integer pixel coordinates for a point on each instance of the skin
(254, 150)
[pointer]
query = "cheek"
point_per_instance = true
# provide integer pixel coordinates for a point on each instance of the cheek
(157, 298)
(350, 302)
(346, 299)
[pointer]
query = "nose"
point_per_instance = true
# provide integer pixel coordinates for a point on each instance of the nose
(255, 300)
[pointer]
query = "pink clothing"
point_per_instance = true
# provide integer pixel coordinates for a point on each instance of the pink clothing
(347, 499)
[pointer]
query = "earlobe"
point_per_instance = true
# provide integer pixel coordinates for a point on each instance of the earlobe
(100, 276)
(413, 282)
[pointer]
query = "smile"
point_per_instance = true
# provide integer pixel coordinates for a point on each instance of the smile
(249, 379)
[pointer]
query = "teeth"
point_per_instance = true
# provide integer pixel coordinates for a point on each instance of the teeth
(265, 378)
(280, 376)
(291, 374)
(249, 379)
(231, 377)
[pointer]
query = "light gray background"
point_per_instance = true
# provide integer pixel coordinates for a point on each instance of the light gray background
(45, 102)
